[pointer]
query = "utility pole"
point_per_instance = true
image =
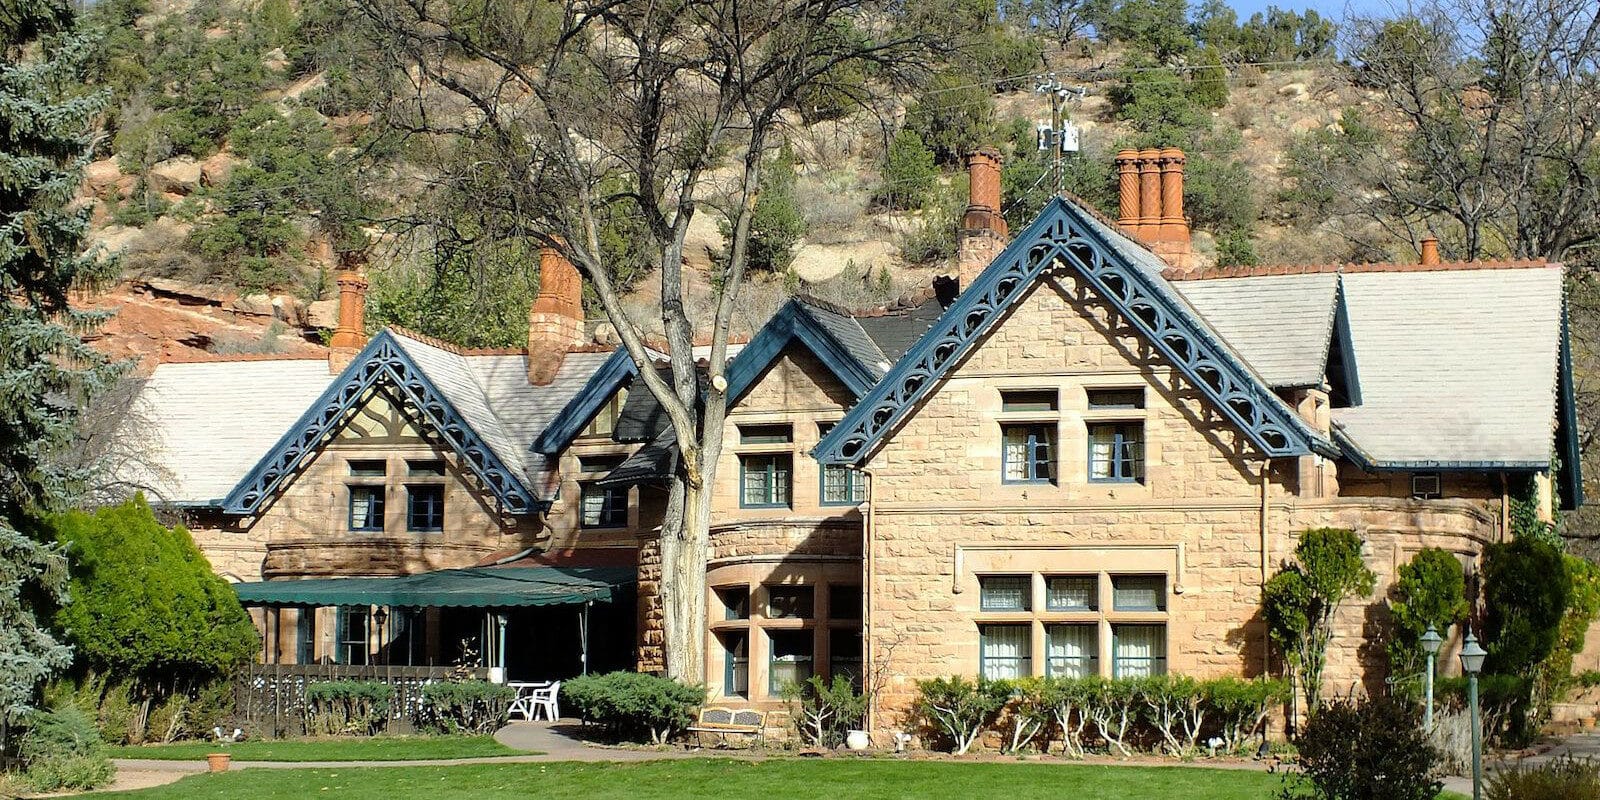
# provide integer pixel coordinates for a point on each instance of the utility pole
(1060, 136)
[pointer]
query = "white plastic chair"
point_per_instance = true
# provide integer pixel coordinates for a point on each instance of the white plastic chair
(544, 699)
(523, 703)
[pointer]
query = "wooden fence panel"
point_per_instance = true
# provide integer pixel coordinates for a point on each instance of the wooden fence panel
(270, 699)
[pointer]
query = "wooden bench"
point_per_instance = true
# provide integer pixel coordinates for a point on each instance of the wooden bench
(725, 722)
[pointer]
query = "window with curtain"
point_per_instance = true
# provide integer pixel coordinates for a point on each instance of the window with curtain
(425, 508)
(1116, 452)
(840, 485)
(1072, 592)
(603, 507)
(1006, 651)
(1139, 592)
(764, 480)
(366, 508)
(1073, 650)
(1027, 453)
(305, 636)
(789, 659)
(1005, 592)
(1138, 651)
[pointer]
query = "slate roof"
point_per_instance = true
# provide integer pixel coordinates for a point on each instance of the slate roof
(1455, 367)
(209, 422)
(896, 330)
(1282, 325)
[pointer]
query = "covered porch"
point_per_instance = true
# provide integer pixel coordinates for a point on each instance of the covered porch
(511, 623)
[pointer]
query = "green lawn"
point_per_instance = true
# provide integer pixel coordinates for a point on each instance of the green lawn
(703, 778)
(381, 748)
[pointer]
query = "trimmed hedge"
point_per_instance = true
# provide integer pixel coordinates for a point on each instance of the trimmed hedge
(634, 706)
(349, 708)
(465, 707)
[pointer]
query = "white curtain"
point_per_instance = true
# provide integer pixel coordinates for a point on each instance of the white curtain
(1016, 455)
(1102, 451)
(1072, 650)
(1005, 651)
(1141, 650)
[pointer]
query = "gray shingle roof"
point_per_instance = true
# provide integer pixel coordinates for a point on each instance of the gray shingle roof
(848, 332)
(1282, 325)
(208, 423)
(895, 333)
(1454, 366)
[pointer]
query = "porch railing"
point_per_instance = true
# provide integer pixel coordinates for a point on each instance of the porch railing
(269, 700)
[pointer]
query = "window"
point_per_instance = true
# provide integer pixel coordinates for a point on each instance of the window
(1139, 593)
(305, 636)
(366, 508)
(1116, 452)
(370, 468)
(790, 602)
(599, 464)
(735, 602)
(432, 468)
(1115, 398)
(844, 602)
(1138, 651)
(1425, 486)
(1027, 455)
(352, 635)
(425, 508)
(605, 420)
(1072, 593)
(764, 480)
(603, 507)
(1005, 592)
(790, 659)
(1005, 651)
(766, 434)
(840, 485)
(736, 664)
(844, 655)
(1028, 400)
(1072, 650)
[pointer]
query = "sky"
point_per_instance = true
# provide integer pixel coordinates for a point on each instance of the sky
(1337, 9)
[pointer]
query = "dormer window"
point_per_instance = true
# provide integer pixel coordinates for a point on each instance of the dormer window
(605, 420)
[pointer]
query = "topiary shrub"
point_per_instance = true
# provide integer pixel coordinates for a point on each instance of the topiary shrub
(61, 750)
(1300, 601)
(634, 706)
(348, 708)
(464, 707)
(1564, 778)
(1368, 751)
(825, 711)
(1431, 589)
(958, 710)
(1239, 708)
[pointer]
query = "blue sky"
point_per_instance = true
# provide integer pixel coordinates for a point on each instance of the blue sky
(1330, 8)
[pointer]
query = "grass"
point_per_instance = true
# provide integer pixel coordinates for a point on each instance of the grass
(379, 748)
(699, 778)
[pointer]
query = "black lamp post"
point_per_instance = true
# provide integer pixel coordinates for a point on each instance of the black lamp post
(381, 617)
(1472, 657)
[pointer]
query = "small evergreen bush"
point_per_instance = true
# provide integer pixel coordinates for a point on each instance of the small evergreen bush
(909, 173)
(61, 750)
(350, 708)
(1374, 750)
(465, 707)
(959, 710)
(634, 706)
(1564, 778)
(826, 711)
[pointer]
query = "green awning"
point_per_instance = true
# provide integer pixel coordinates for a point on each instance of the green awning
(477, 587)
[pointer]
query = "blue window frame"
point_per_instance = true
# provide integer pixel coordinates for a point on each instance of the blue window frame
(425, 508)
(366, 508)
(765, 479)
(1027, 453)
(1116, 452)
(352, 635)
(736, 664)
(604, 507)
(841, 486)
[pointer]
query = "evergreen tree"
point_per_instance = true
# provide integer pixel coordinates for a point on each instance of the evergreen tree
(45, 370)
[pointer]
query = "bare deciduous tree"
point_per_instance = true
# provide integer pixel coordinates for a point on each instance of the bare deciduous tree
(585, 113)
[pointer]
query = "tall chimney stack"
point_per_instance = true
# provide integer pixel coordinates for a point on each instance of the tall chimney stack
(1150, 202)
(983, 230)
(350, 335)
(1430, 250)
(555, 322)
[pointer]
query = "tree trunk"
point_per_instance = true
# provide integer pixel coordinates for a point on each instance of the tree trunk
(685, 548)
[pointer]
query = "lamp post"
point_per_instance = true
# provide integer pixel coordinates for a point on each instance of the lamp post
(1430, 644)
(1472, 663)
(382, 618)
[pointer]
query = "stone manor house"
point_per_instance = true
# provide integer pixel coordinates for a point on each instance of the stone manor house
(1080, 454)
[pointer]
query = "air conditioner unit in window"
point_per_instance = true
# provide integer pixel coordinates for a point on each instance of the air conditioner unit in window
(1425, 486)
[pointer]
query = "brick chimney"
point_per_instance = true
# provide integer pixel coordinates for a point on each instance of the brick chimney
(1150, 202)
(983, 230)
(351, 333)
(1430, 250)
(555, 322)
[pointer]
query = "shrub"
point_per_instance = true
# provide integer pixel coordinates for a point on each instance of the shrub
(909, 173)
(465, 707)
(1300, 601)
(776, 223)
(1175, 705)
(1112, 705)
(1239, 707)
(352, 708)
(933, 238)
(634, 706)
(958, 709)
(1028, 710)
(1430, 590)
(61, 750)
(1564, 778)
(826, 711)
(1500, 698)
(956, 117)
(1373, 751)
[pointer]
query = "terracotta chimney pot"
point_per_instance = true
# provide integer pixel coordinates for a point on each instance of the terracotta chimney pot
(1128, 190)
(1149, 224)
(1430, 250)
(983, 230)
(1174, 228)
(555, 321)
(351, 331)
